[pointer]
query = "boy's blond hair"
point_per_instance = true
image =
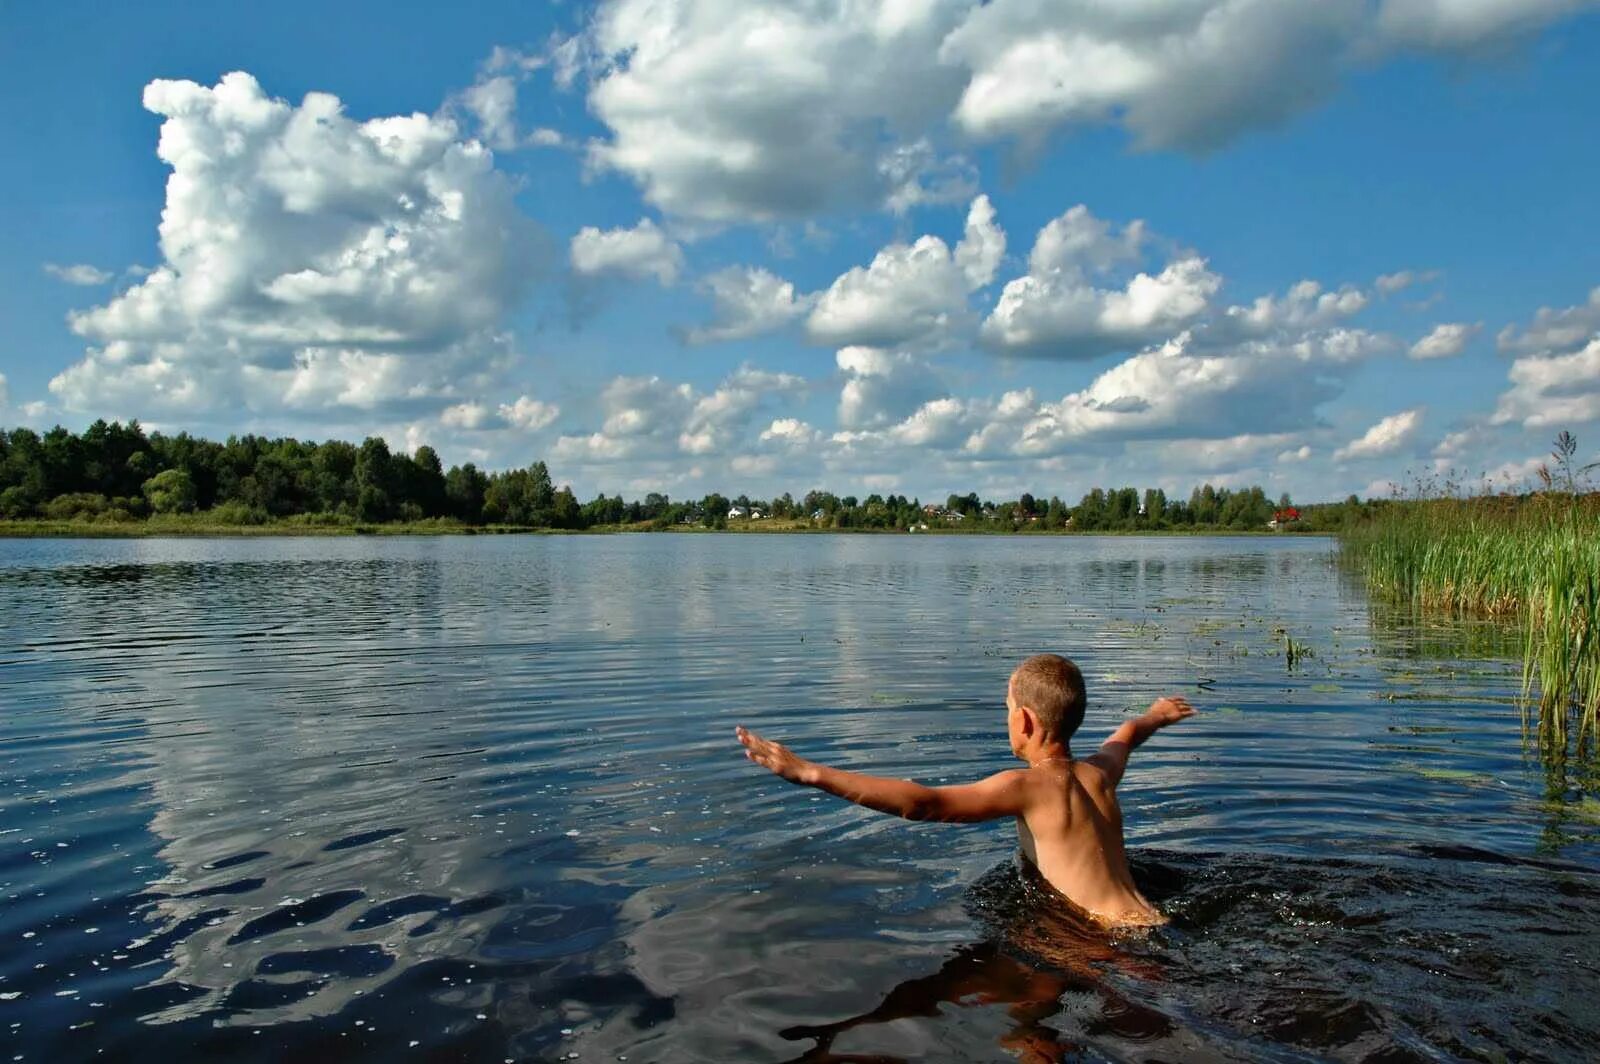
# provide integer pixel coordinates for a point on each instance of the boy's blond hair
(1052, 687)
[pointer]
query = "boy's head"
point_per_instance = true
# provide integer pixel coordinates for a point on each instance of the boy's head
(1050, 688)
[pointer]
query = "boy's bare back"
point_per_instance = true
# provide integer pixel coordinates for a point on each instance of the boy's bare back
(1069, 824)
(1071, 831)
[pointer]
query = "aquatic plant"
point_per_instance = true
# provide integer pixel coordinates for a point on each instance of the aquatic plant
(1295, 651)
(1533, 561)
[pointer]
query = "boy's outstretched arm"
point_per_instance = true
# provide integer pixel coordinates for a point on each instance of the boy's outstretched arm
(1112, 757)
(1002, 794)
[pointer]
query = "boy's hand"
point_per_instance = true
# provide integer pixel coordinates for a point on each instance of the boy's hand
(776, 757)
(1165, 711)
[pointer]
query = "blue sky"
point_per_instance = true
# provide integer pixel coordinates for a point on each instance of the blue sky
(754, 247)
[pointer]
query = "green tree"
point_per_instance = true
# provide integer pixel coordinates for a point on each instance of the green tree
(170, 491)
(464, 489)
(714, 511)
(375, 477)
(427, 489)
(1155, 507)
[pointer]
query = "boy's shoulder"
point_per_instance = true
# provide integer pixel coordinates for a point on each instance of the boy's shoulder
(1093, 773)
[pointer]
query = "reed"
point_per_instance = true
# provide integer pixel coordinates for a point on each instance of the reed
(1532, 561)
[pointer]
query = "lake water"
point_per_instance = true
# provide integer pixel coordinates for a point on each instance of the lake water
(479, 799)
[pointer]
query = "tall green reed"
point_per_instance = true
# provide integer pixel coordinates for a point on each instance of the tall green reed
(1532, 561)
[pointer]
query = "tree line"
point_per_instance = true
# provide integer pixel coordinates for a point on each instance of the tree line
(117, 472)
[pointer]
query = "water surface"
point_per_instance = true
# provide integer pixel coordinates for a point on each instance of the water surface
(478, 798)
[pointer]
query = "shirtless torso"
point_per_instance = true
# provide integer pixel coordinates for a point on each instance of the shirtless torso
(1071, 830)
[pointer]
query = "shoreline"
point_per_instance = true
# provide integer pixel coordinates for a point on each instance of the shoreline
(45, 529)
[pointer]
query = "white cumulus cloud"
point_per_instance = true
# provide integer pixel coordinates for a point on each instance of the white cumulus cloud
(1446, 340)
(1553, 391)
(1555, 383)
(1180, 390)
(528, 414)
(640, 252)
(78, 274)
(755, 110)
(1386, 437)
(910, 292)
(881, 386)
(1453, 24)
(1554, 329)
(791, 432)
(748, 301)
(650, 419)
(733, 110)
(1062, 308)
(308, 259)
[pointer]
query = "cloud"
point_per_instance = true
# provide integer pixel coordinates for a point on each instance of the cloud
(491, 100)
(1386, 437)
(31, 414)
(528, 413)
(525, 414)
(1553, 330)
(1227, 453)
(1556, 381)
(647, 418)
(469, 415)
(1515, 475)
(1188, 76)
(641, 252)
(1057, 310)
(938, 422)
(1447, 340)
(762, 110)
(1552, 391)
(791, 432)
(1454, 444)
(1454, 24)
(918, 176)
(78, 274)
(1306, 305)
(1389, 283)
(730, 110)
(910, 292)
(1183, 390)
(309, 260)
(1296, 454)
(881, 387)
(748, 301)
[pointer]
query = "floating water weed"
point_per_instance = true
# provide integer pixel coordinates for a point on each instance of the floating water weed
(1534, 561)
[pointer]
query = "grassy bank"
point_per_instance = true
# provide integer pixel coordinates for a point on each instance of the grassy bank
(205, 524)
(1534, 562)
(208, 524)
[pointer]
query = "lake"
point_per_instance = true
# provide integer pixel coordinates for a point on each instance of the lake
(478, 798)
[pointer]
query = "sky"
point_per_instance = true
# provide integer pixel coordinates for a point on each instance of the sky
(912, 246)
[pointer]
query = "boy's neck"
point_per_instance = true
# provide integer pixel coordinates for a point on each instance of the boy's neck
(1052, 751)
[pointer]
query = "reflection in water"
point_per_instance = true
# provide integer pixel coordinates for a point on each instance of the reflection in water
(476, 798)
(1036, 953)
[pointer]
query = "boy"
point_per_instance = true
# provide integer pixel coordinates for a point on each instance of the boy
(1068, 820)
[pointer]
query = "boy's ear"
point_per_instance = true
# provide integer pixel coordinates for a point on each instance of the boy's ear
(1030, 720)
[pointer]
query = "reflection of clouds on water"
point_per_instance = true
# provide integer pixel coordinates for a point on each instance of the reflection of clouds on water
(740, 968)
(318, 819)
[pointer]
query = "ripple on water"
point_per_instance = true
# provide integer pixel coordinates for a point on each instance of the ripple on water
(476, 798)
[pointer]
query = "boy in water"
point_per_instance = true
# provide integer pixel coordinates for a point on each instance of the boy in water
(1068, 820)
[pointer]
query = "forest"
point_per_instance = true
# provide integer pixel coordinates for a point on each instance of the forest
(115, 473)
